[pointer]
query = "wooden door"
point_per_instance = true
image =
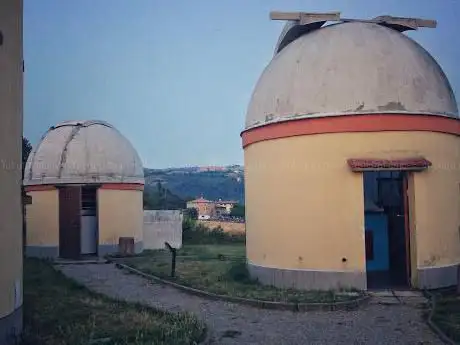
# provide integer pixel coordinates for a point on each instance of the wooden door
(69, 222)
(407, 228)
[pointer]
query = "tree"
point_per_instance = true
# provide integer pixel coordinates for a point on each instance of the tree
(147, 200)
(192, 213)
(238, 211)
(160, 198)
(26, 150)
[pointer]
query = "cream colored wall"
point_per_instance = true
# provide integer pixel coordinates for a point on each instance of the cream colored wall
(43, 218)
(120, 215)
(10, 157)
(437, 208)
(304, 207)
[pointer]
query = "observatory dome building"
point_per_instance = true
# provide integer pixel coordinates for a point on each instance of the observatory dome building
(86, 182)
(352, 151)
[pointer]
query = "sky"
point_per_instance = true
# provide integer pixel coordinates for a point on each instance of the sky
(175, 77)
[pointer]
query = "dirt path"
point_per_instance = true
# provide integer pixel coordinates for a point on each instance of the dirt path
(399, 321)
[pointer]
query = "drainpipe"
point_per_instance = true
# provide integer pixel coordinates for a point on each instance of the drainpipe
(26, 200)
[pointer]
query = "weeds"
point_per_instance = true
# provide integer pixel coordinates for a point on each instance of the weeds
(195, 233)
(58, 311)
(222, 269)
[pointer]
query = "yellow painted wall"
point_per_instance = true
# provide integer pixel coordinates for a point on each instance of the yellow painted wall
(10, 157)
(43, 218)
(304, 207)
(120, 215)
(437, 209)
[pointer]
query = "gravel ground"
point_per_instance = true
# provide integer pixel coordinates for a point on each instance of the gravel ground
(392, 323)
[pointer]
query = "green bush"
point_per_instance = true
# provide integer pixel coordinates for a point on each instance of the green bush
(238, 272)
(194, 233)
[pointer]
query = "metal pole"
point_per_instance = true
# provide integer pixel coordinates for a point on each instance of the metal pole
(173, 259)
(458, 279)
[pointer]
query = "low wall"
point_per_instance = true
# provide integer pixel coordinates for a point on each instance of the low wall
(230, 227)
(162, 226)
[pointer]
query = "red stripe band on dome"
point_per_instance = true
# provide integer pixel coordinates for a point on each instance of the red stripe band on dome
(39, 188)
(122, 186)
(352, 123)
(108, 186)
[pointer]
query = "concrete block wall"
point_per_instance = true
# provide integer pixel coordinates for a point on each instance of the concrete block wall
(162, 226)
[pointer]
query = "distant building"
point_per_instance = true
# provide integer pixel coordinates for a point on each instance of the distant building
(211, 168)
(204, 207)
(224, 207)
(208, 209)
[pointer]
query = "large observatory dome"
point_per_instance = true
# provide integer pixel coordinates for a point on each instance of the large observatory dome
(362, 124)
(83, 152)
(350, 68)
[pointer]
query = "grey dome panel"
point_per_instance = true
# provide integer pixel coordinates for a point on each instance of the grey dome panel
(83, 152)
(350, 68)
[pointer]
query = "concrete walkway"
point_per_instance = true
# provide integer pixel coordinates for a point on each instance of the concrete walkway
(390, 318)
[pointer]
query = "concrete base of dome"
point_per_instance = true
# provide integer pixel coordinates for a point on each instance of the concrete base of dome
(52, 252)
(308, 279)
(437, 277)
(45, 252)
(11, 327)
(428, 278)
(105, 249)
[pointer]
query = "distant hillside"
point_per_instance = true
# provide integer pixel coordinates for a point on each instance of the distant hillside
(160, 198)
(191, 182)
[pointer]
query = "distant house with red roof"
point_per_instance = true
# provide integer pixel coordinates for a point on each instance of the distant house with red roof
(209, 209)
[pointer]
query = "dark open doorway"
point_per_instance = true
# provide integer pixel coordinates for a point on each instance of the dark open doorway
(89, 237)
(78, 228)
(387, 237)
(69, 222)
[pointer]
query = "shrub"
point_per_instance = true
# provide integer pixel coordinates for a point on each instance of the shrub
(194, 233)
(238, 272)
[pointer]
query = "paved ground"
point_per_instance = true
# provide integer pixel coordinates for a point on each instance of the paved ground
(388, 319)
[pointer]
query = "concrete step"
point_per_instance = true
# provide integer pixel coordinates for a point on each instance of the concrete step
(407, 293)
(381, 293)
(384, 300)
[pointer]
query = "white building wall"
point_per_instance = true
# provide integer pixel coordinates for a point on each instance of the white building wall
(162, 226)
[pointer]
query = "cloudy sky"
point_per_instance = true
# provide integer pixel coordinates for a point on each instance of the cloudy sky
(175, 77)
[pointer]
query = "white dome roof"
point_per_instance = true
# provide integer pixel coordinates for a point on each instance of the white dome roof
(350, 68)
(83, 152)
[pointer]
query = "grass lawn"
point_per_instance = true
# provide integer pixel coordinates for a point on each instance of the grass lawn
(447, 313)
(221, 269)
(58, 311)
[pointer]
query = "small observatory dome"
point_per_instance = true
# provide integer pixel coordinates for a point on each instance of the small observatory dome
(350, 68)
(83, 152)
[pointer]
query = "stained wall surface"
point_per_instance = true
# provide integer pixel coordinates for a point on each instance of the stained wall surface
(162, 226)
(120, 214)
(42, 217)
(11, 59)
